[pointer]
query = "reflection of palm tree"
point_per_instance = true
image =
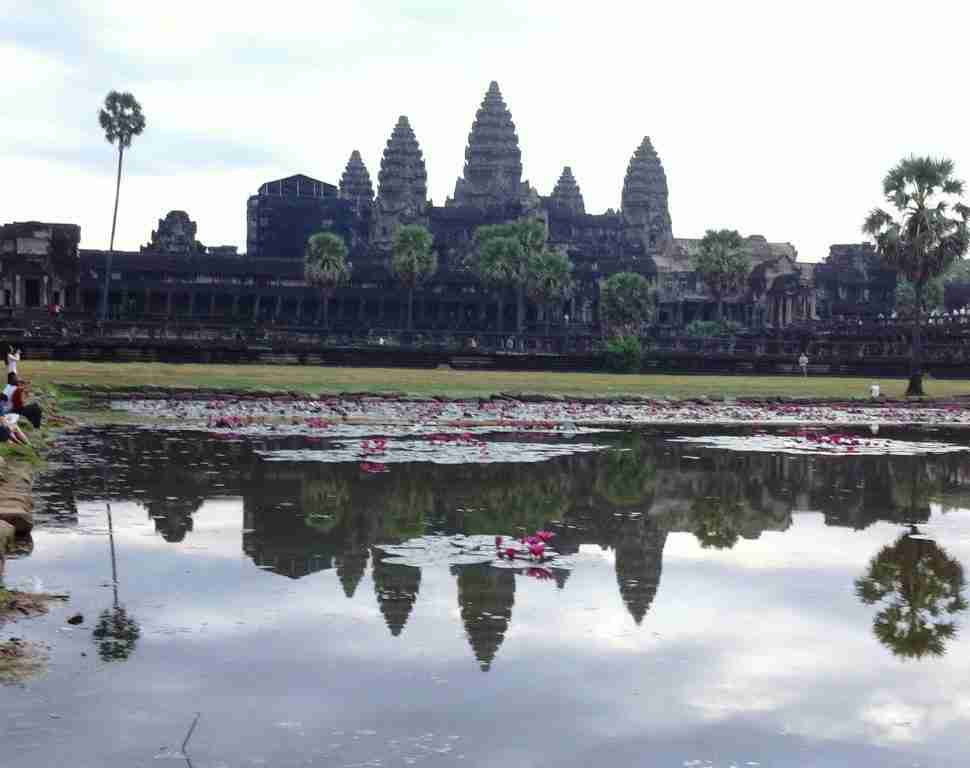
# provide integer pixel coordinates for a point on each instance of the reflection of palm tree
(716, 522)
(626, 476)
(919, 588)
(116, 633)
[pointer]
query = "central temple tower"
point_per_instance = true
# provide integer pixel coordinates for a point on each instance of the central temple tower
(493, 162)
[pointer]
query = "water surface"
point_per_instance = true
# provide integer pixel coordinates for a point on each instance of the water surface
(724, 608)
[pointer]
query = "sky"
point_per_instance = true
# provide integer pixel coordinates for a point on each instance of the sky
(772, 118)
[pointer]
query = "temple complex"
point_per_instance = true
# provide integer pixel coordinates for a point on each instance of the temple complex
(176, 277)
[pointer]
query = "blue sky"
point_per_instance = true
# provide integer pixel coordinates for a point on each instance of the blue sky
(772, 118)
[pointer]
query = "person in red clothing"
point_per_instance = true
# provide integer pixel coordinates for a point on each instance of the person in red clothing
(16, 393)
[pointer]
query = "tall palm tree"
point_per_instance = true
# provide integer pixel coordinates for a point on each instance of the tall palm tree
(503, 257)
(325, 266)
(549, 279)
(413, 261)
(722, 264)
(928, 232)
(121, 119)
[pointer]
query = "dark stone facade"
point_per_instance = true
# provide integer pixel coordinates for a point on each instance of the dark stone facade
(176, 276)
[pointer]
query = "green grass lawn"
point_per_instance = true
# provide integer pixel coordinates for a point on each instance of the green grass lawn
(316, 379)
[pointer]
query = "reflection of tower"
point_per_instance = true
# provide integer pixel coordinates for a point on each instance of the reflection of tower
(639, 559)
(396, 587)
(350, 569)
(486, 596)
(173, 519)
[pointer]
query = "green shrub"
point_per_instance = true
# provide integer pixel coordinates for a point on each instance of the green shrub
(712, 328)
(624, 354)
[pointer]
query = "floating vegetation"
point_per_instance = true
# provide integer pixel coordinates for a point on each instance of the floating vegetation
(529, 555)
(817, 442)
(374, 454)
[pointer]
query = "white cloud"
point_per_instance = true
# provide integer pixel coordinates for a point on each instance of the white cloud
(774, 119)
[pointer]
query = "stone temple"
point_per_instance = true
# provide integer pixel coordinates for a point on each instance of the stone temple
(176, 277)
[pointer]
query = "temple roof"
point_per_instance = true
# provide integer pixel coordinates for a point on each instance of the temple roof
(493, 160)
(567, 194)
(298, 185)
(355, 184)
(645, 195)
(403, 179)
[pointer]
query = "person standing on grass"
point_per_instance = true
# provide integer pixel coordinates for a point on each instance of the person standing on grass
(803, 363)
(13, 357)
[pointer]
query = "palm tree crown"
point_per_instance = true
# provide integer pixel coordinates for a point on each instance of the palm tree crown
(325, 261)
(121, 118)
(412, 259)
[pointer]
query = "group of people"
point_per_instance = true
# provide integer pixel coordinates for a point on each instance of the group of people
(13, 404)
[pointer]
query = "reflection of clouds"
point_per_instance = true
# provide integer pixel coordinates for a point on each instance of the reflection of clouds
(761, 640)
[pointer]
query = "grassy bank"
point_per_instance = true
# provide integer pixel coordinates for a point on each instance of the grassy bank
(316, 379)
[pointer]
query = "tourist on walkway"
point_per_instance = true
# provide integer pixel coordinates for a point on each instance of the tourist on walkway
(803, 363)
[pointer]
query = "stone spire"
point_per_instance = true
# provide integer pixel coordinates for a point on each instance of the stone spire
(639, 559)
(403, 180)
(355, 184)
(486, 596)
(350, 569)
(566, 194)
(396, 587)
(645, 209)
(493, 161)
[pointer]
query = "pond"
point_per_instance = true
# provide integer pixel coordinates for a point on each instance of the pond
(710, 603)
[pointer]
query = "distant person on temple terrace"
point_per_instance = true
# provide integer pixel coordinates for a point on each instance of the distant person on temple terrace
(13, 357)
(803, 363)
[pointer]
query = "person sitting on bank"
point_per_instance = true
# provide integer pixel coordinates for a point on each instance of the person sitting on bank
(9, 429)
(15, 393)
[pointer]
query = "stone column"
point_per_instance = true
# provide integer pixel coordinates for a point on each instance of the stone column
(276, 309)
(18, 294)
(212, 305)
(168, 303)
(256, 299)
(299, 310)
(235, 306)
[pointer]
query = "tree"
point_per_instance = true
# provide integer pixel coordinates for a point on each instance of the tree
(413, 261)
(919, 588)
(722, 264)
(906, 297)
(549, 279)
(122, 119)
(928, 233)
(626, 301)
(503, 256)
(325, 266)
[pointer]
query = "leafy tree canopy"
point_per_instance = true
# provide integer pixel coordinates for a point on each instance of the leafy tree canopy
(412, 259)
(325, 260)
(121, 118)
(722, 261)
(626, 301)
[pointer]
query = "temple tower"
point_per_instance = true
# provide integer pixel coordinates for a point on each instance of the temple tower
(355, 184)
(639, 550)
(396, 587)
(566, 194)
(493, 161)
(645, 207)
(402, 189)
(486, 596)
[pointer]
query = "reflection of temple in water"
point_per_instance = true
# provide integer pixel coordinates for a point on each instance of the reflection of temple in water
(396, 587)
(486, 596)
(304, 518)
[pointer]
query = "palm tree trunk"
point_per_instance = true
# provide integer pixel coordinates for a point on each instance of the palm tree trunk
(326, 310)
(111, 244)
(501, 312)
(411, 308)
(520, 309)
(915, 388)
(548, 317)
